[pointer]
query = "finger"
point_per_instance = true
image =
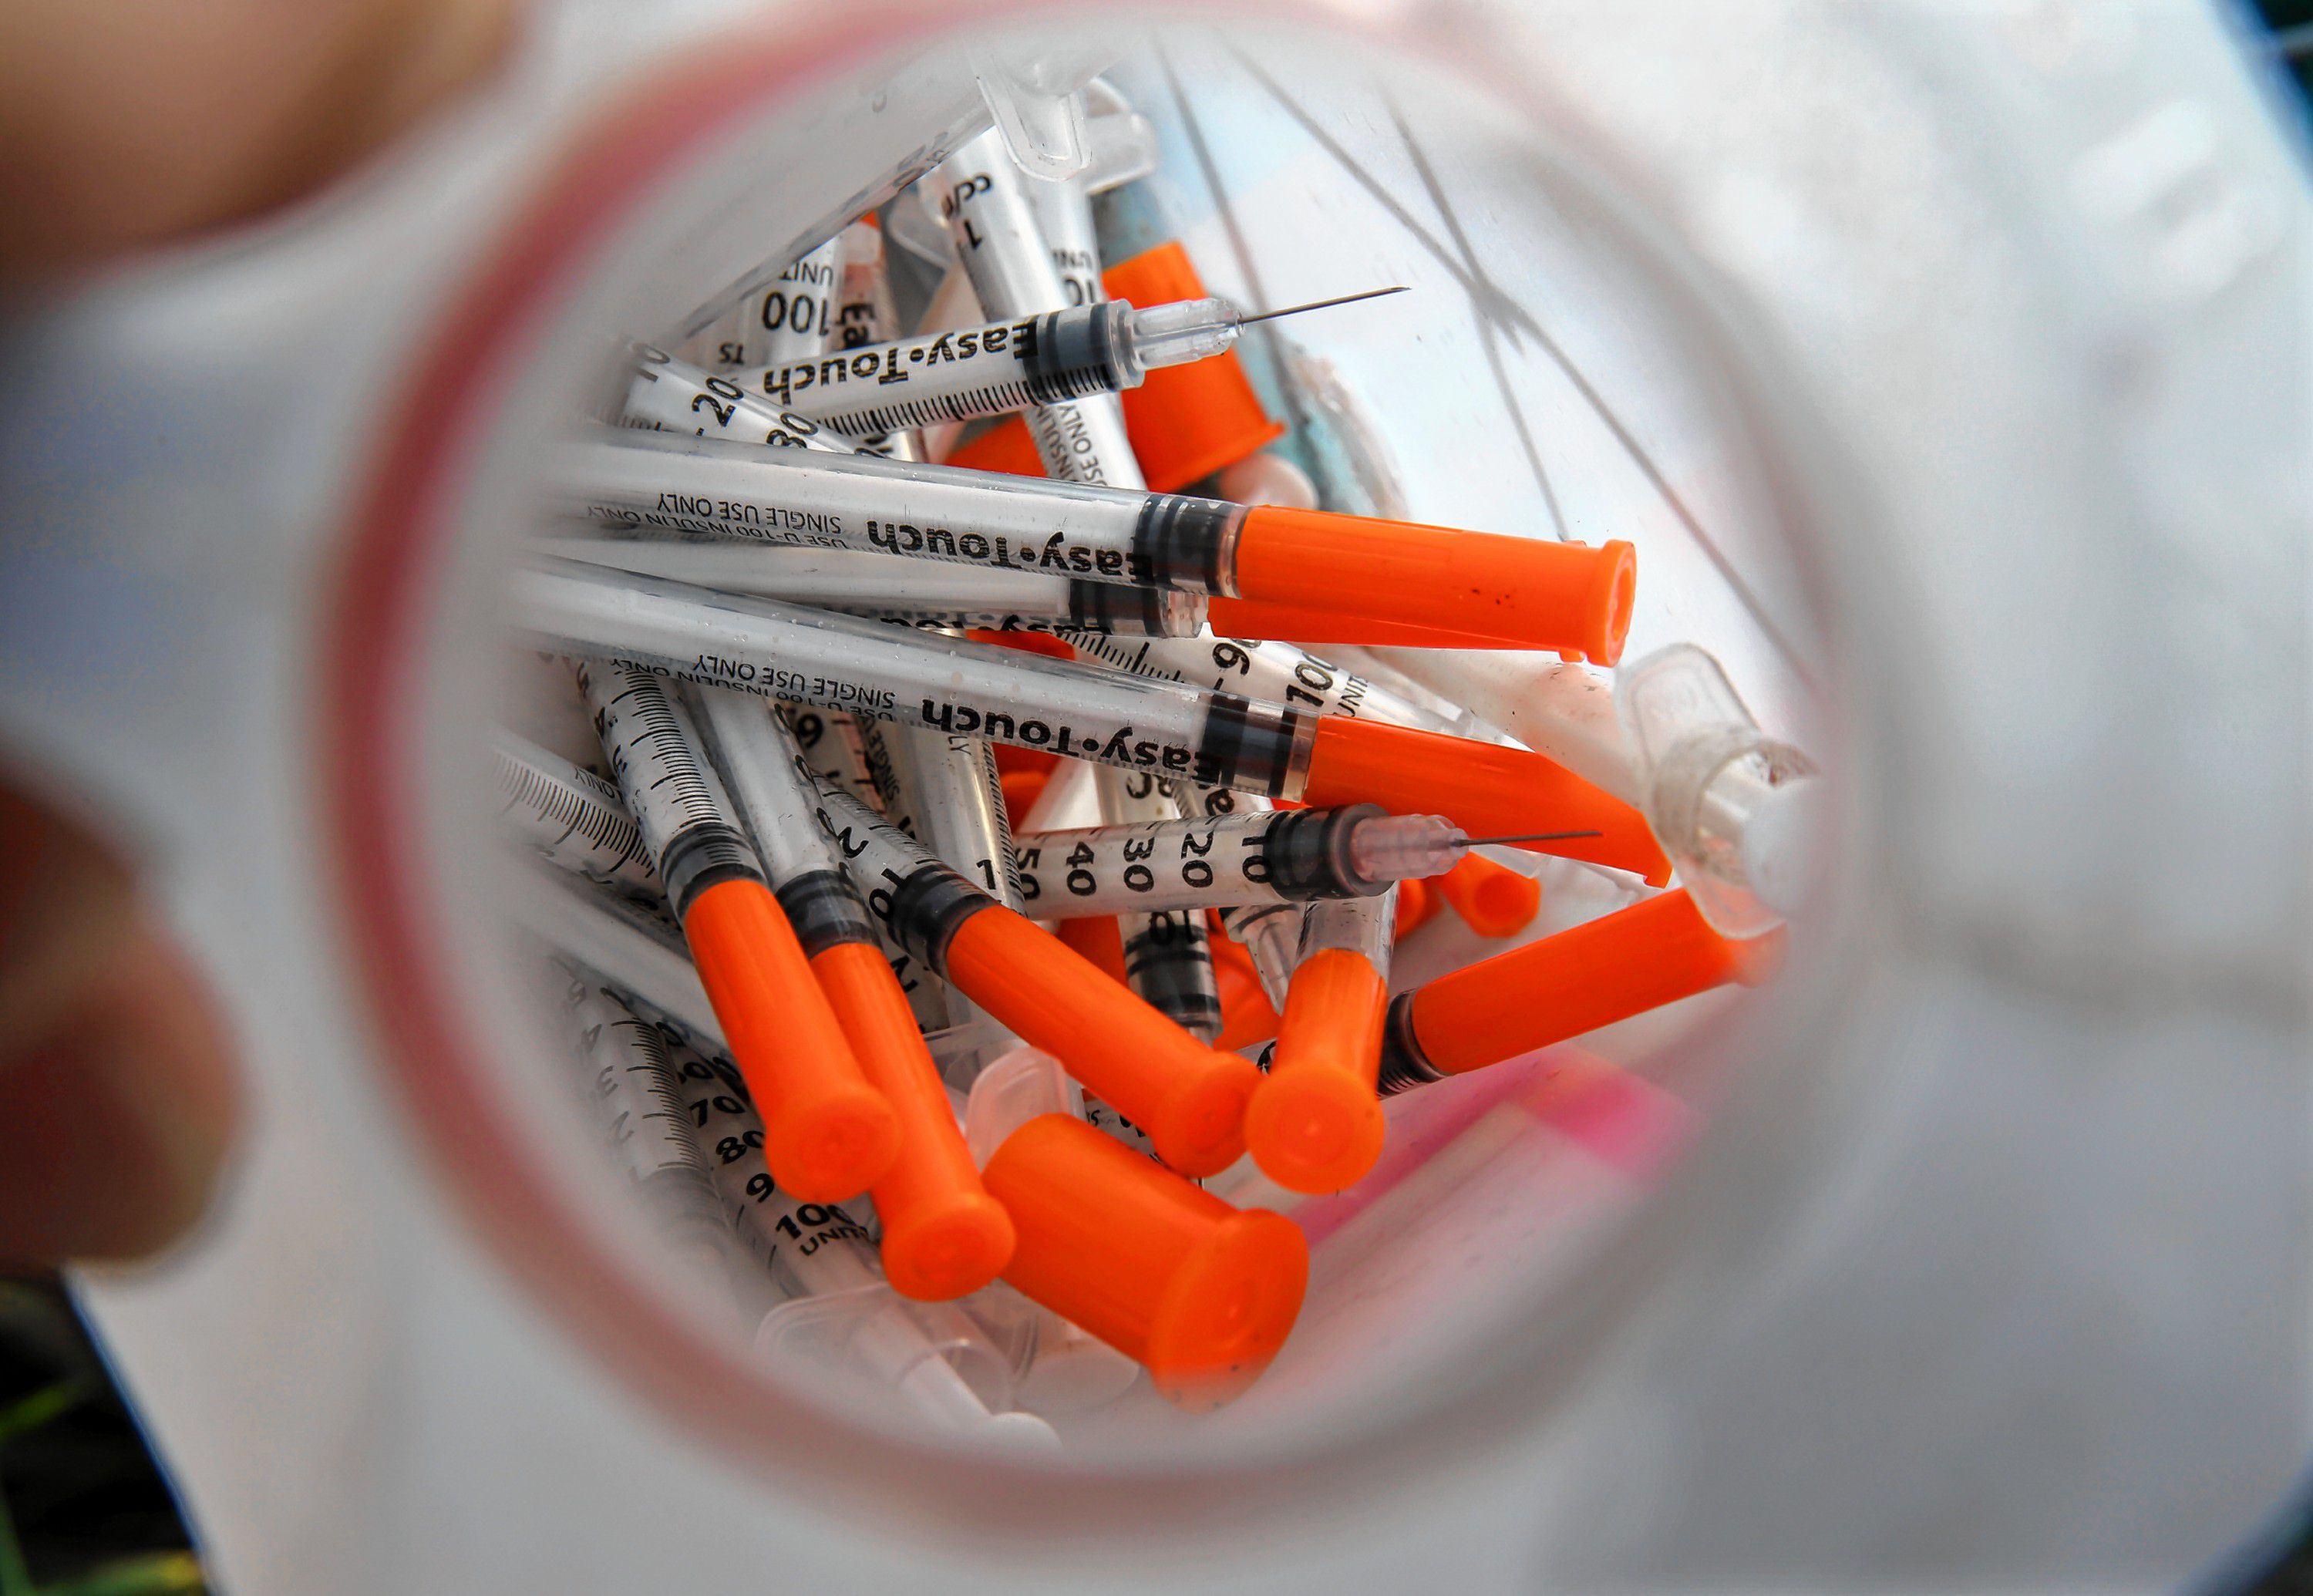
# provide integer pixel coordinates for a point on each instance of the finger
(118, 1100)
(123, 122)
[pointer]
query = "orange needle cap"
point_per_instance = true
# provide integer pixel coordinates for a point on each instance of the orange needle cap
(1568, 597)
(1168, 1274)
(1484, 788)
(1593, 974)
(1188, 1097)
(943, 1236)
(1315, 1124)
(828, 1136)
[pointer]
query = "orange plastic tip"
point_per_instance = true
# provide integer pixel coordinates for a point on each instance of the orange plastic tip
(1603, 970)
(1568, 597)
(1188, 1097)
(1186, 422)
(1315, 1124)
(1299, 623)
(1492, 899)
(1169, 1276)
(828, 1136)
(943, 1236)
(1484, 788)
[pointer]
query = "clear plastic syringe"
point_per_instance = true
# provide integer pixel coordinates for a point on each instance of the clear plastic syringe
(1269, 856)
(571, 817)
(1273, 672)
(637, 953)
(1168, 957)
(914, 592)
(637, 1102)
(976, 371)
(832, 1134)
(889, 673)
(981, 196)
(1437, 579)
(665, 394)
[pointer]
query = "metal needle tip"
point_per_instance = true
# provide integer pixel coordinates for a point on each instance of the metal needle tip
(1322, 304)
(1528, 837)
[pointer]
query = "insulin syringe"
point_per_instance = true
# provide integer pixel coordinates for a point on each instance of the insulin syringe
(1267, 856)
(637, 1102)
(665, 395)
(572, 817)
(916, 592)
(888, 673)
(968, 373)
(1439, 582)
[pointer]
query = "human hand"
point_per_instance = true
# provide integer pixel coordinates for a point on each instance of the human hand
(123, 124)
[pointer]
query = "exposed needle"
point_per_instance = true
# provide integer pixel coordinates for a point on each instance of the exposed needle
(1319, 304)
(1529, 837)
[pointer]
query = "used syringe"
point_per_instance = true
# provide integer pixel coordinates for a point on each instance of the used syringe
(1189, 1099)
(639, 1105)
(976, 371)
(917, 592)
(893, 674)
(943, 1236)
(1276, 672)
(1219, 861)
(832, 1133)
(665, 394)
(1168, 957)
(572, 817)
(1564, 597)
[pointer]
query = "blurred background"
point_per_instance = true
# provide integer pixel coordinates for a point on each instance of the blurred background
(84, 1510)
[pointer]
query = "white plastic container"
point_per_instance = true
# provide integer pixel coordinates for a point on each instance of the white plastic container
(1971, 1254)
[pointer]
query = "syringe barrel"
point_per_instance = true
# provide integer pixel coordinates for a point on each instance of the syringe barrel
(808, 1248)
(637, 1101)
(1216, 861)
(920, 901)
(1167, 958)
(572, 817)
(687, 819)
(916, 592)
(791, 317)
(765, 774)
(957, 374)
(673, 396)
(636, 952)
(1271, 672)
(982, 196)
(916, 679)
(810, 498)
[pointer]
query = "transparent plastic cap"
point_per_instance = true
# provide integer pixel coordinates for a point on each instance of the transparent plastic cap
(1398, 847)
(1733, 807)
(1176, 334)
(1033, 94)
